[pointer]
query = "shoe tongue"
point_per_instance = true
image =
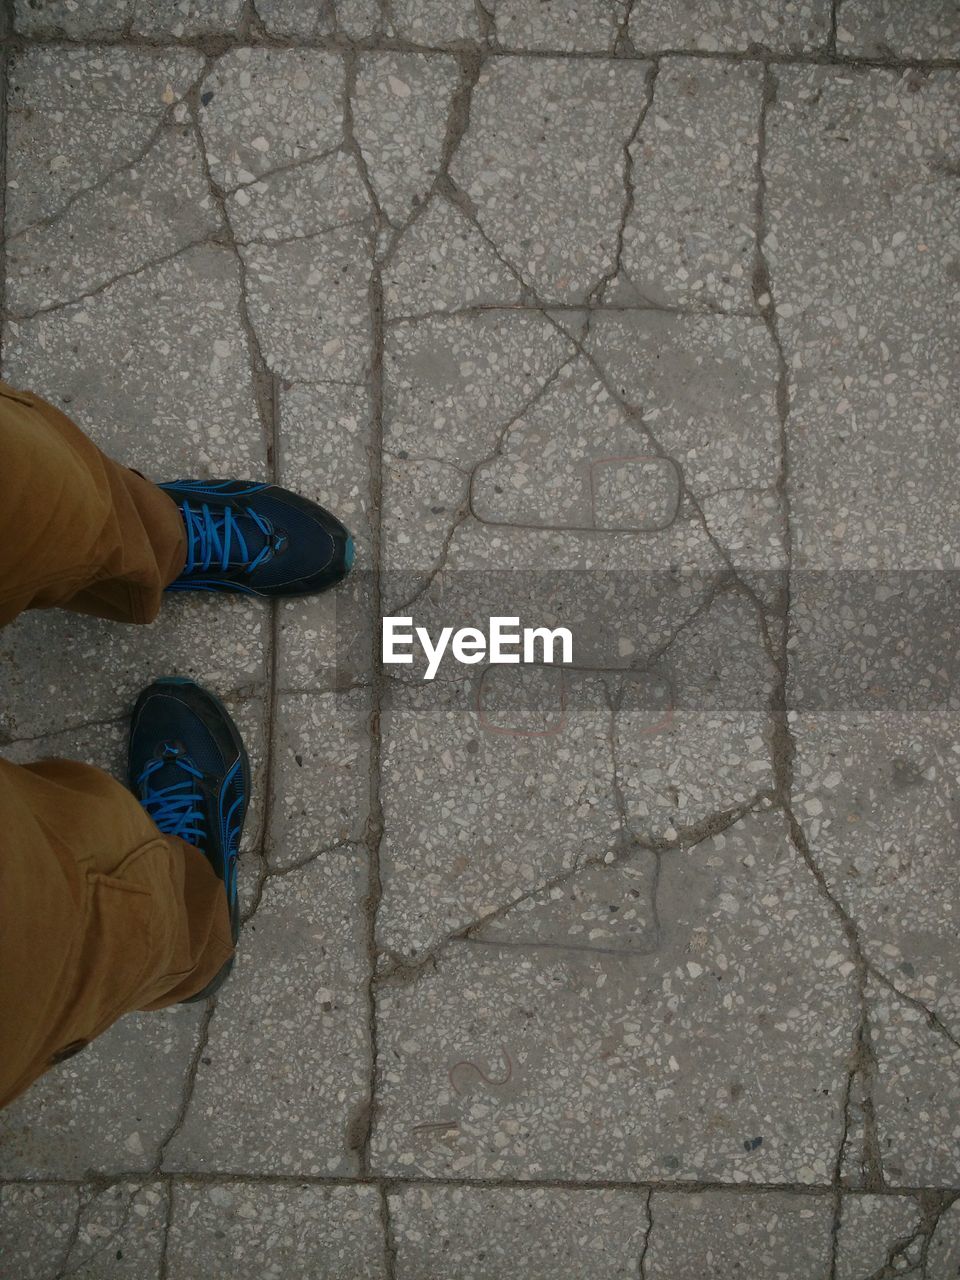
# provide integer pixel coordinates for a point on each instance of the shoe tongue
(170, 772)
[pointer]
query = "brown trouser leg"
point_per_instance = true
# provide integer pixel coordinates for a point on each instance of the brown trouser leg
(100, 914)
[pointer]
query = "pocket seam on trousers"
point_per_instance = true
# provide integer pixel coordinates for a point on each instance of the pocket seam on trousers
(113, 884)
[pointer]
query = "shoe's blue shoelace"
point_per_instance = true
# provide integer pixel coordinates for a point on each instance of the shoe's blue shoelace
(178, 809)
(214, 537)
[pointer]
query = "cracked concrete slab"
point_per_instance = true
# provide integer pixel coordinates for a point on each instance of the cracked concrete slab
(914, 1092)
(305, 201)
(575, 461)
(80, 262)
(495, 363)
(218, 642)
(321, 748)
(875, 1230)
(312, 1233)
(568, 26)
(155, 367)
(861, 190)
(68, 18)
(884, 29)
(151, 18)
(308, 304)
(306, 19)
(876, 796)
(443, 263)
(602, 906)
(707, 388)
(475, 817)
(131, 215)
(53, 1229)
(436, 22)
(110, 1108)
(401, 104)
(527, 1063)
(488, 1233)
(797, 26)
(77, 116)
(289, 1033)
(265, 108)
(944, 1253)
(504, 447)
(543, 165)
(769, 1236)
(689, 236)
(704, 750)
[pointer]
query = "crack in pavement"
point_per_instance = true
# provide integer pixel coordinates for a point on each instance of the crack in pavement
(645, 1246)
(608, 277)
(469, 64)
(23, 317)
(270, 242)
(165, 122)
(189, 1086)
(288, 166)
(404, 969)
(82, 1263)
(466, 509)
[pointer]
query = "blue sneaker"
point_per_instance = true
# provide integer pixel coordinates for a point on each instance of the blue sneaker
(258, 539)
(189, 770)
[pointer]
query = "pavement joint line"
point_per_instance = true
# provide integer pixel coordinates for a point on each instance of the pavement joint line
(216, 44)
(265, 387)
(360, 1125)
(783, 744)
(394, 1182)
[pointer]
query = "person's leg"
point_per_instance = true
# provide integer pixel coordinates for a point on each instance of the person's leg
(100, 914)
(80, 531)
(111, 902)
(77, 529)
